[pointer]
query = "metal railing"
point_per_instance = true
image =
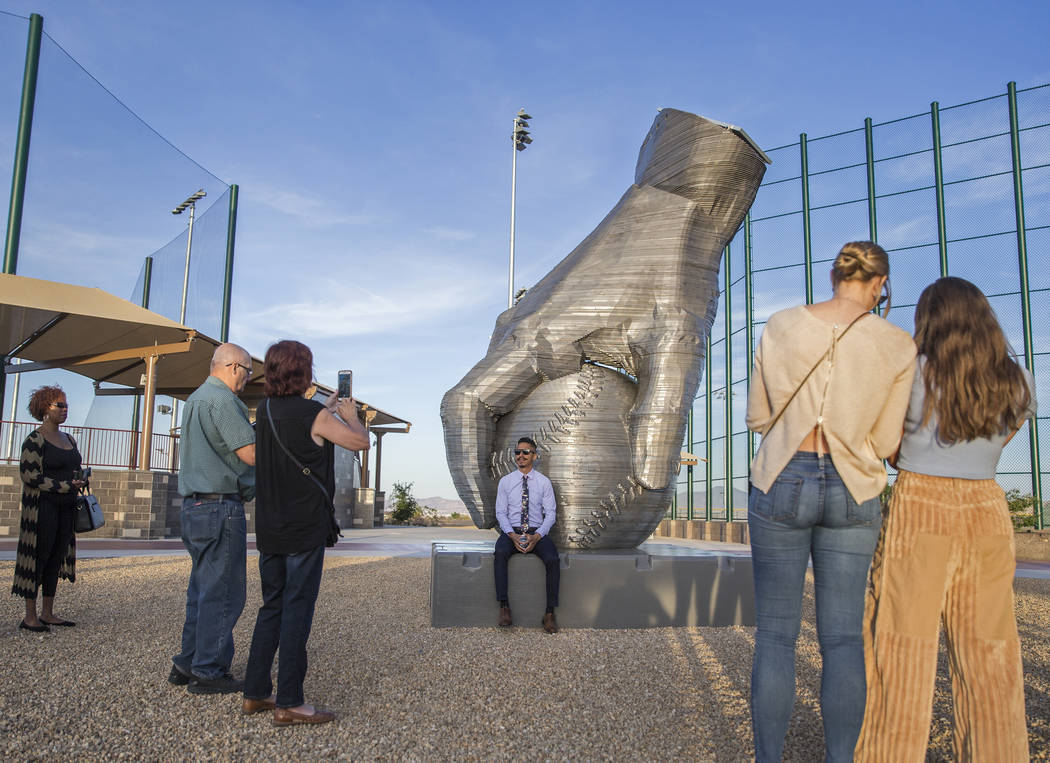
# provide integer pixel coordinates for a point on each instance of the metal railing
(103, 448)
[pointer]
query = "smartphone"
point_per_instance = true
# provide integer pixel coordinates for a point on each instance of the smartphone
(344, 388)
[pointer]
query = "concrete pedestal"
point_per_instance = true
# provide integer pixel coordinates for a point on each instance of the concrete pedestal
(655, 585)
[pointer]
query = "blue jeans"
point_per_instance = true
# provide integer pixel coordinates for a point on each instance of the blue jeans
(216, 535)
(809, 512)
(290, 583)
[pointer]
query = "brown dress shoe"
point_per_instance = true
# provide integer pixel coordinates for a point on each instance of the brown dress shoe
(252, 706)
(283, 716)
(504, 617)
(549, 623)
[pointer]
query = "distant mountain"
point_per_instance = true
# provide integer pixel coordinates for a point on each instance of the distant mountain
(444, 505)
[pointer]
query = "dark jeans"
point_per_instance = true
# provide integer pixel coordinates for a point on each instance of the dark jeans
(544, 549)
(290, 583)
(808, 512)
(54, 530)
(216, 535)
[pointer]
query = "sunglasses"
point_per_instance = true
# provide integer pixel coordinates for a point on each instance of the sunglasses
(60, 405)
(523, 452)
(239, 365)
(885, 294)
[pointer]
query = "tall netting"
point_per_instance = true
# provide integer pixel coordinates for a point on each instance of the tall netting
(99, 197)
(882, 181)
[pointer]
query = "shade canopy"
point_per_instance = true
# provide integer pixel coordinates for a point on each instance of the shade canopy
(108, 339)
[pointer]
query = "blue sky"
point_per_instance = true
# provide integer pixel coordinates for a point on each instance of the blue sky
(371, 146)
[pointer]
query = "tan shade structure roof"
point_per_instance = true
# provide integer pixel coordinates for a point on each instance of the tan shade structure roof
(96, 334)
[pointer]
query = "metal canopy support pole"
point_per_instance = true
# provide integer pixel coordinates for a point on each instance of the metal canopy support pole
(807, 246)
(727, 491)
(869, 155)
(147, 419)
(379, 456)
(1026, 297)
(938, 184)
(227, 283)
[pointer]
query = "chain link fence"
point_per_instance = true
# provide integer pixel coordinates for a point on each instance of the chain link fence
(960, 190)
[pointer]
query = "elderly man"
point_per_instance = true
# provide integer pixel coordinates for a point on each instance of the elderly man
(216, 477)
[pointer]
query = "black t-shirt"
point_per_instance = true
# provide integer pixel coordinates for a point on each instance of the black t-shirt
(292, 514)
(59, 465)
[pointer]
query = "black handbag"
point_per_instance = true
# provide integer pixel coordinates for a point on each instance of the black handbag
(334, 533)
(89, 513)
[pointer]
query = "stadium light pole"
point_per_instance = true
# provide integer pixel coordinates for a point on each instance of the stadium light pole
(521, 140)
(191, 204)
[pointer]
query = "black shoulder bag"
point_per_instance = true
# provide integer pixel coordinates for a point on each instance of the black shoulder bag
(334, 533)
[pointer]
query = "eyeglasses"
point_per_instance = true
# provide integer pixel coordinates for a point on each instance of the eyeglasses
(524, 452)
(60, 405)
(247, 370)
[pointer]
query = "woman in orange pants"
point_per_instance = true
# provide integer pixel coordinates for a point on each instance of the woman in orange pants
(946, 552)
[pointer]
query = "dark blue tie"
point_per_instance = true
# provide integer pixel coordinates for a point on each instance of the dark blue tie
(525, 504)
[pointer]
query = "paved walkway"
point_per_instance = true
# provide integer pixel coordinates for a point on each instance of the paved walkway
(412, 542)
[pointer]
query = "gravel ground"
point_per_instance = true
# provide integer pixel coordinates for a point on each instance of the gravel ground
(404, 690)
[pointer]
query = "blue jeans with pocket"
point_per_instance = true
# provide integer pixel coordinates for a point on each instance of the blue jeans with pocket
(808, 512)
(216, 534)
(290, 583)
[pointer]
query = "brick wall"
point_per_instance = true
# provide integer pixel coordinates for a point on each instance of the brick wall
(137, 504)
(698, 529)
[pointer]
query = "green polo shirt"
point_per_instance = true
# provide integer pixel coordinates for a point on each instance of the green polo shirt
(215, 424)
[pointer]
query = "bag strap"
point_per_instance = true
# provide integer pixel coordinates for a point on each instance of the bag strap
(802, 384)
(305, 469)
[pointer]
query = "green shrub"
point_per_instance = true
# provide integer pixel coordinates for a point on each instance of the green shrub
(1022, 508)
(405, 507)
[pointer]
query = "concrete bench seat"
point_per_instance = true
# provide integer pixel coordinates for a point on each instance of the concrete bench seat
(654, 585)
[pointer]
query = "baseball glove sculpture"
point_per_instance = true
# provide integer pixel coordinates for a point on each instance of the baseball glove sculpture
(600, 361)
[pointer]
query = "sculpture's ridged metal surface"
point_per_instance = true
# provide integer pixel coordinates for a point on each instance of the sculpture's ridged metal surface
(639, 294)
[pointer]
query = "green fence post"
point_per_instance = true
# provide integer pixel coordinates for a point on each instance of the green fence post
(147, 280)
(807, 247)
(728, 490)
(25, 130)
(21, 167)
(707, 431)
(749, 327)
(689, 469)
(938, 184)
(869, 161)
(227, 284)
(1026, 297)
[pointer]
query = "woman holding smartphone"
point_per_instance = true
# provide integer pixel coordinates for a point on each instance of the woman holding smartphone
(295, 480)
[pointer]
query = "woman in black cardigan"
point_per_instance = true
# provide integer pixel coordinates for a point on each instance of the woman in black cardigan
(46, 544)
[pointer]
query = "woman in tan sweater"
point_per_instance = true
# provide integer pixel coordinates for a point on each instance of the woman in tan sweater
(828, 393)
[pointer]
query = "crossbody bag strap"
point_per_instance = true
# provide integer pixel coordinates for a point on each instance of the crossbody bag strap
(802, 384)
(304, 469)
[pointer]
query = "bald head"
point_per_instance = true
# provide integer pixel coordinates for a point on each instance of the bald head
(231, 364)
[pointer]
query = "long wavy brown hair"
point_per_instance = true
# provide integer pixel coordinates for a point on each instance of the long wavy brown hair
(972, 383)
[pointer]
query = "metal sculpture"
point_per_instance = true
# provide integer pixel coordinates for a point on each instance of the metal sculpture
(639, 294)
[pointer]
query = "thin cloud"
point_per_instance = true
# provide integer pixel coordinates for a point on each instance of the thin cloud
(311, 210)
(450, 234)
